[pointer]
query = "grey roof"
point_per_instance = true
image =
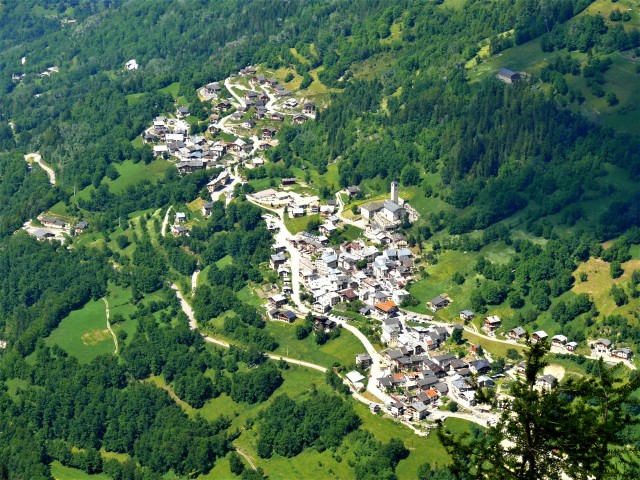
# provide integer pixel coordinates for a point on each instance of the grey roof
(391, 206)
(519, 331)
(480, 364)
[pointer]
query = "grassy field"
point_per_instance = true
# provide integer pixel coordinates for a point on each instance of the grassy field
(340, 350)
(14, 384)
(312, 464)
(494, 348)
(60, 472)
(296, 225)
(83, 333)
(599, 283)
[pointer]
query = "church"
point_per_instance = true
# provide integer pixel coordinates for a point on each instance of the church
(385, 214)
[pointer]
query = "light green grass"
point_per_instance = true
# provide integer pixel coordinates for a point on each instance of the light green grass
(296, 225)
(341, 350)
(494, 348)
(134, 98)
(132, 173)
(172, 89)
(224, 261)
(83, 333)
(14, 384)
(60, 472)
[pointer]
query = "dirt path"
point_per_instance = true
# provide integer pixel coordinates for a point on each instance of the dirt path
(194, 281)
(246, 457)
(115, 339)
(165, 222)
(36, 157)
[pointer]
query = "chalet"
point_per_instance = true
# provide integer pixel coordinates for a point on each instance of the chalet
(485, 382)
(297, 212)
(507, 76)
(323, 323)
(539, 336)
(467, 315)
(444, 360)
(418, 411)
(181, 217)
(223, 106)
(348, 294)
(353, 190)
(277, 117)
(179, 230)
(277, 300)
(517, 333)
(571, 346)
(276, 260)
(395, 408)
(291, 103)
(218, 182)
(386, 309)
(602, 345)
(438, 303)
(559, 340)
(159, 150)
(259, 113)
(42, 235)
(328, 229)
(546, 382)
(206, 208)
(250, 94)
(480, 366)
(193, 165)
(248, 123)
(212, 88)
(299, 119)
(247, 71)
(309, 108)
(182, 112)
(491, 323)
(624, 353)
(259, 79)
(148, 138)
(268, 133)
(81, 227)
(288, 181)
(363, 360)
(283, 315)
(282, 92)
(53, 222)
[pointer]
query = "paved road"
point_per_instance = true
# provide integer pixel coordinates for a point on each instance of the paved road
(38, 159)
(115, 339)
(165, 222)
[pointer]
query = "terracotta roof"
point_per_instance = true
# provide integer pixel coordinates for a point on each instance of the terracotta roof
(431, 393)
(386, 306)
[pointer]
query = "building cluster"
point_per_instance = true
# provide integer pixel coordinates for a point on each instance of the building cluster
(606, 348)
(179, 229)
(421, 379)
(388, 214)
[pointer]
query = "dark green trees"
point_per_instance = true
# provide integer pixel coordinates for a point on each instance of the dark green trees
(571, 430)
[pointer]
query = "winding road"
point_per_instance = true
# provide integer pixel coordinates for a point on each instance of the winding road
(36, 157)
